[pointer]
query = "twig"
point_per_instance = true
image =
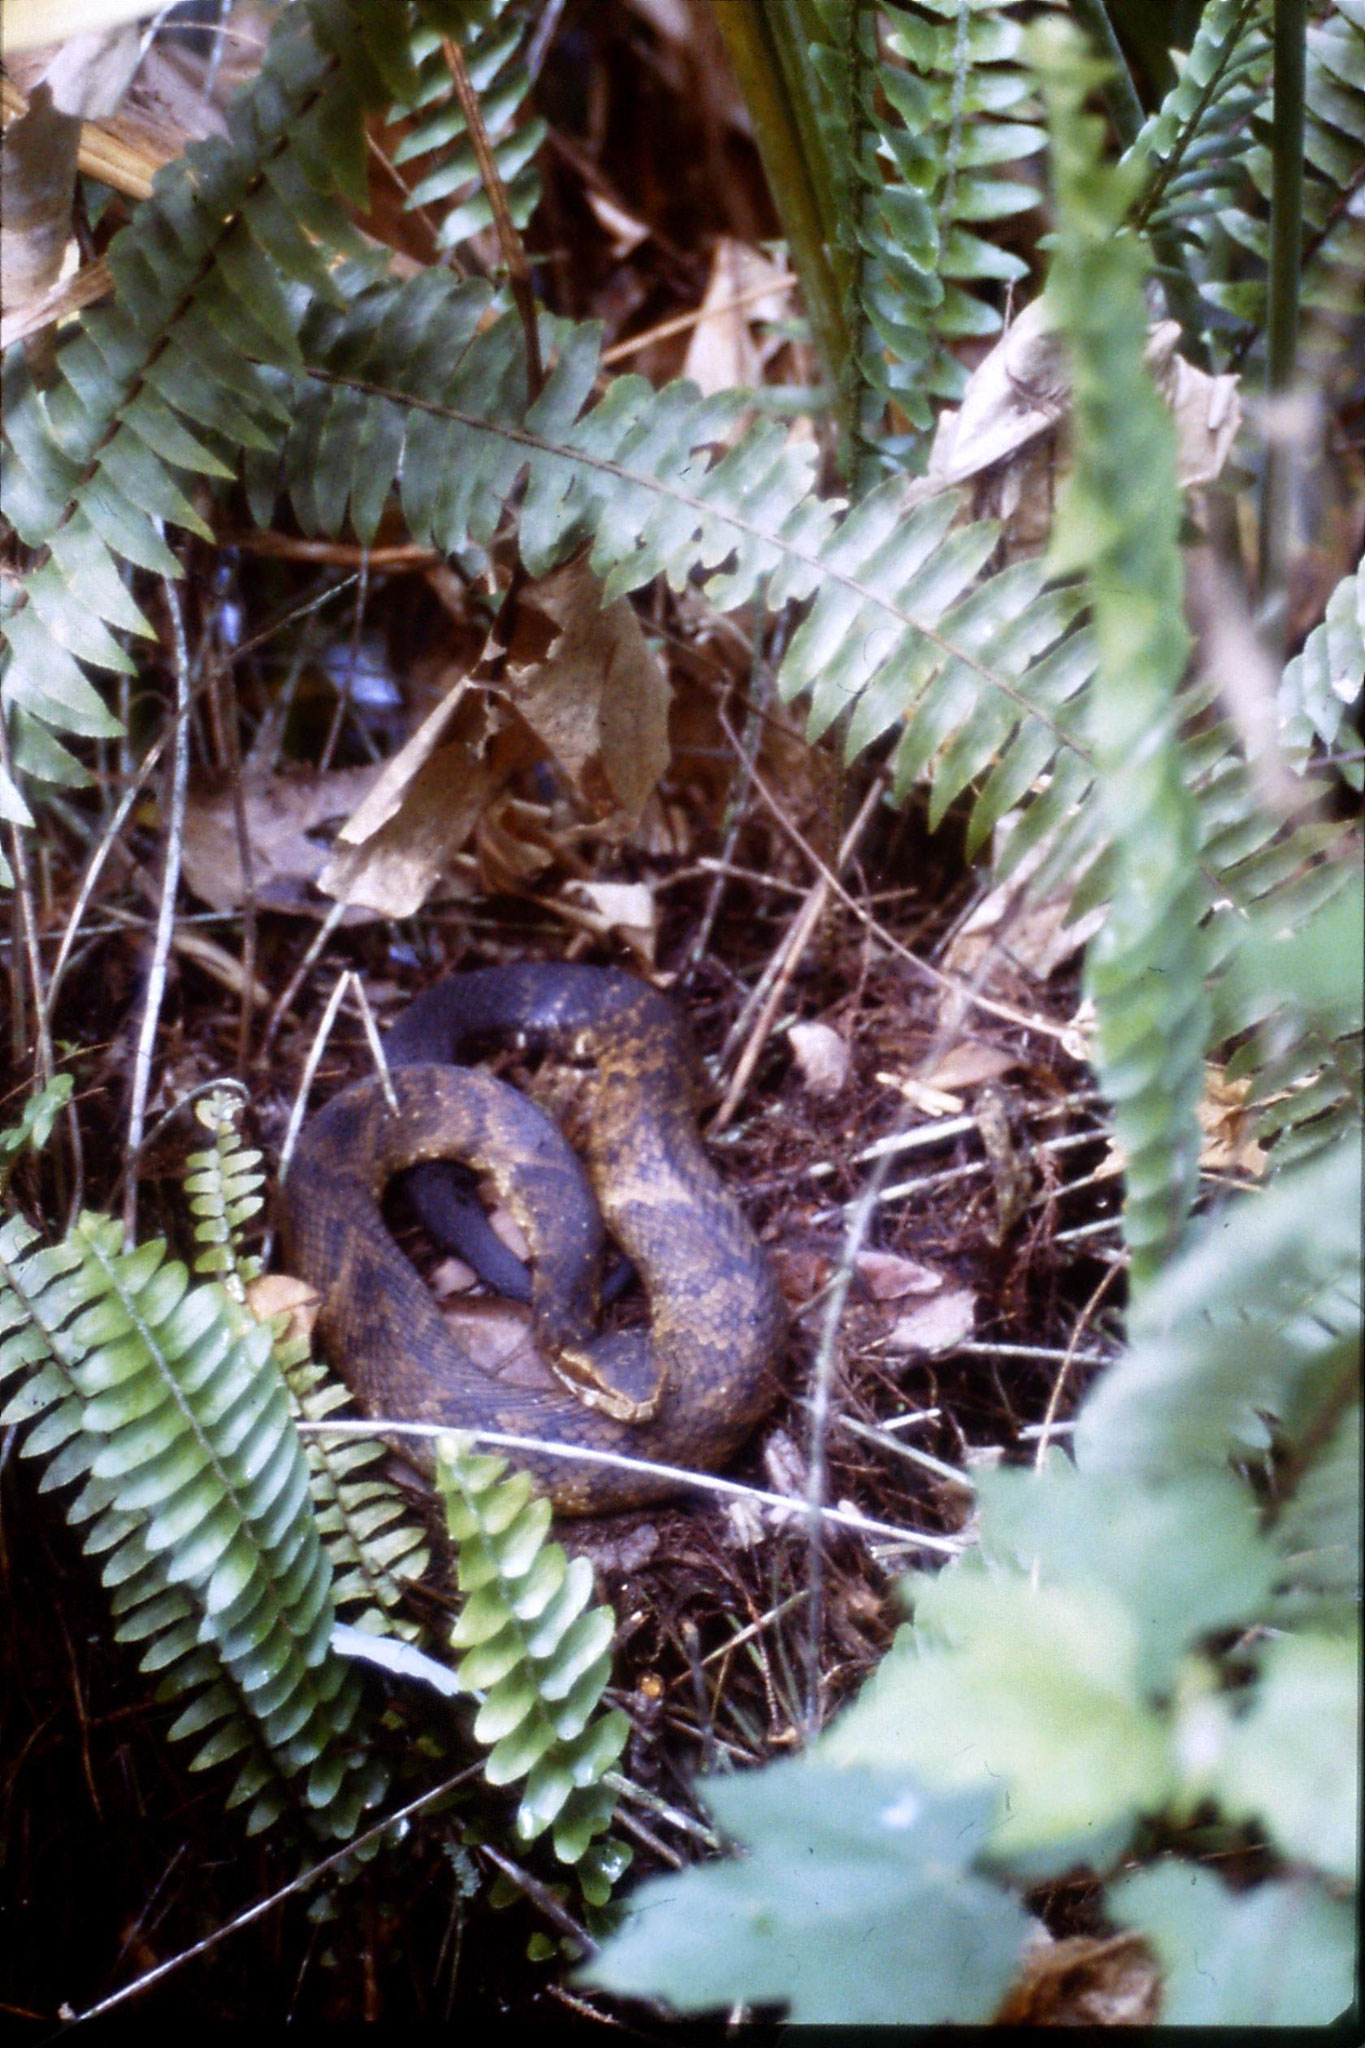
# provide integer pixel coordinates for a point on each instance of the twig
(1082, 1323)
(540, 1896)
(298, 1884)
(509, 241)
(165, 920)
(821, 1383)
(28, 926)
(226, 700)
(348, 979)
(295, 982)
(698, 316)
(787, 959)
(704, 1482)
(701, 938)
(935, 976)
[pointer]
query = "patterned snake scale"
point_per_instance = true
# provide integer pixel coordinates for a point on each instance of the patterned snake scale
(698, 1380)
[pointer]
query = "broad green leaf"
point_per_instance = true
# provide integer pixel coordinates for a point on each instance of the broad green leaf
(855, 1904)
(1292, 1762)
(1183, 1558)
(1279, 1955)
(1031, 1693)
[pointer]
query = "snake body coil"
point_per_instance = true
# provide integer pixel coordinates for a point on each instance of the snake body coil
(702, 1374)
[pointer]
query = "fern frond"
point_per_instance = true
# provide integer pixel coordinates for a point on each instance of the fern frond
(492, 35)
(164, 386)
(166, 1403)
(1119, 523)
(535, 1654)
(1194, 149)
(224, 1186)
(374, 1545)
(34, 1127)
(918, 139)
(1260, 1317)
(407, 391)
(1234, 238)
(1317, 1535)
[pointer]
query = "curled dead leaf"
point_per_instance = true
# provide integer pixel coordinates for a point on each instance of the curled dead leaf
(1021, 391)
(514, 843)
(424, 804)
(744, 287)
(1230, 1144)
(279, 1294)
(598, 700)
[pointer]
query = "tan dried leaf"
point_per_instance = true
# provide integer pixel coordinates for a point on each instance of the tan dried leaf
(1021, 391)
(967, 1064)
(513, 843)
(744, 287)
(1083, 1980)
(1015, 393)
(598, 700)
(279, 1294)
(1230, 1144)
(396, 846)
(281, 811)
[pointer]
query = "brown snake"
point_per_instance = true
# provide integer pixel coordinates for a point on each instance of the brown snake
(701, 1376)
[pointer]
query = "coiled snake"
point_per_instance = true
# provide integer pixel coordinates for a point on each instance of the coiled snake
(688, 1391)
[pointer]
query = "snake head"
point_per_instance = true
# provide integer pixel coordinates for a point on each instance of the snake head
(619, 1376)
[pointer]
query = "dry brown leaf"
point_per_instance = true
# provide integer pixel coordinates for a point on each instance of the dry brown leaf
(937, 1325)
(1021, 391)
(424, 805)
(86, 75)
(1229, 1135)
(1015, 393)
(1035, 938)
(823, 1058)
(889, 1277)
(279, 1294)
(513, 843)
(743, 288)
(598, 700)
(969, 1063)
(1010, 942)
(1230, 1144)
(281, 811)
(1207, 410)
(1084, 1981)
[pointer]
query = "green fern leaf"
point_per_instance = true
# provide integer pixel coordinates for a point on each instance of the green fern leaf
(159, 1398)
(204, 274)
(913, 140)
(1119, 522)
(534, 1652)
